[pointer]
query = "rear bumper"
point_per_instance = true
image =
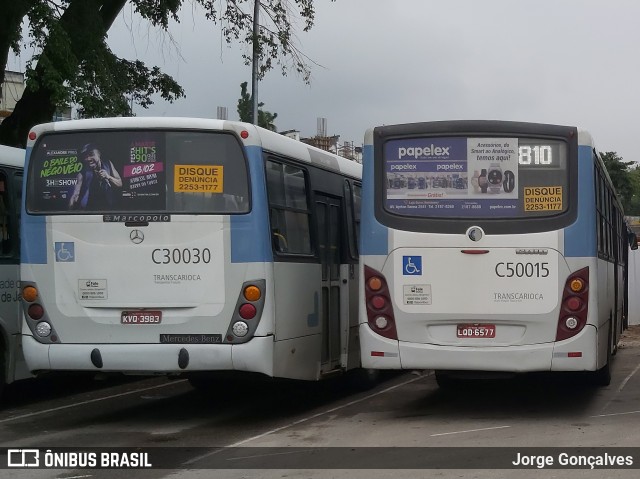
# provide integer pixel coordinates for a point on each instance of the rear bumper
(253, 356)
(382, 353)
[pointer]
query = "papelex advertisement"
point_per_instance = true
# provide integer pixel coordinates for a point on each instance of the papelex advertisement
(452, 176)
(96, 172)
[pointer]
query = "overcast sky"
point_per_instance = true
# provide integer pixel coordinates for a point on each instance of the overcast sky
(571, 62)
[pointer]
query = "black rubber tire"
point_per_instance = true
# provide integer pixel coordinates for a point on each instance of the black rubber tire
(602, 377)
(446, 382)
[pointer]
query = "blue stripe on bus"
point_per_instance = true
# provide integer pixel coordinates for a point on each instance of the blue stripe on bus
(250, 242)
(33, 240)
(33, 236)
(374, 236)
(580, 238)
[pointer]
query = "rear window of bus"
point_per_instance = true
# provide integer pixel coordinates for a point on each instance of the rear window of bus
(494, 177)
(104, 171)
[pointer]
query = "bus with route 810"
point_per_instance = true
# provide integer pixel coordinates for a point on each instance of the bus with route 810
(186, 246)
(522, 269)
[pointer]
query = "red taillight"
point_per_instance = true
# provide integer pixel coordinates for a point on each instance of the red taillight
(575, 300)
(378, 301)
(247, 311)
(35, 311)
(574, 303)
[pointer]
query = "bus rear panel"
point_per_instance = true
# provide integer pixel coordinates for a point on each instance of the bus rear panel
(481, 249)
(177, 245)
(129, 243)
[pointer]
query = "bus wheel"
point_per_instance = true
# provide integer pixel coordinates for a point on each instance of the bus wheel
(364, 379)
(446, 381)
(602, 377)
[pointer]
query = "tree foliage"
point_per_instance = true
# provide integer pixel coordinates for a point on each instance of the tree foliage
(633, 207)
(266, 119)
(74, 65)
(619, 173)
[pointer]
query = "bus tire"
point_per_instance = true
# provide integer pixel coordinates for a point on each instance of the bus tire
(602, 377)
(446, 381)
(364, 379)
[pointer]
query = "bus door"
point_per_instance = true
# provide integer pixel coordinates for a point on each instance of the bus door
(10, 314)
(329, 229)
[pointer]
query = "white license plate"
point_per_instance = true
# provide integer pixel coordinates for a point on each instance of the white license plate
(141, 317)
(476, 331)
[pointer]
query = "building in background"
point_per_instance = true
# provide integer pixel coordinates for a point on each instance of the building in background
(332, 143)
(12, 90)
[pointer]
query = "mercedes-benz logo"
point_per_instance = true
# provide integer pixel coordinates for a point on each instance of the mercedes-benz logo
(136, 236)
(475, 233)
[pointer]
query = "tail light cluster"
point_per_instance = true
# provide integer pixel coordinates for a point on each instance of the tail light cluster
(247, 312)
(36, 315)
(379, 307)
(575, 301)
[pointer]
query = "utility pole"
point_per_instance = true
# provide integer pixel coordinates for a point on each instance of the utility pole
(254, 72)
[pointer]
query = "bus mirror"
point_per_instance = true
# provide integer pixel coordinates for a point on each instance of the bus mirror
(633, 240)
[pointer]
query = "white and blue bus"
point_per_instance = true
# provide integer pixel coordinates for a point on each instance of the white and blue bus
(12, 365)
(490, 246)
(176, 245)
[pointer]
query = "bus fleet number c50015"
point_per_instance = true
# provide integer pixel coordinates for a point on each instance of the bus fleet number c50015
(522, 270)
(181, 255)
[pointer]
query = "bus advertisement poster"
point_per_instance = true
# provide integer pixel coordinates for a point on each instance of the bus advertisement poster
(460, 176)
(99, 172)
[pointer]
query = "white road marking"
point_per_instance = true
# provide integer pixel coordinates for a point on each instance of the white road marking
(298, 451)
(469, 430)
(626, 380)
(90, 401)
(621, 387)
(617, 414)
(305, 419)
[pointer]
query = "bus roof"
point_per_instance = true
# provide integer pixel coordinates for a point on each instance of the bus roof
(268, 140)
(584, 137)
(10, 156)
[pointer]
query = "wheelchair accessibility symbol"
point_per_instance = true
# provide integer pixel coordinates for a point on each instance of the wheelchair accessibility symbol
(412, 265)
(65, 252)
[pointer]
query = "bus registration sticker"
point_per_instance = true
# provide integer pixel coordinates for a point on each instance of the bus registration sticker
(417, 294)
(543, 198)
(90, 289)
(476, 331)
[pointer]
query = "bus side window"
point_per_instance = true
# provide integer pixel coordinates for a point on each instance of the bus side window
(289, 208)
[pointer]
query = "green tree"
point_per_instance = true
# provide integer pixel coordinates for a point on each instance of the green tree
(74, 65)
(634, 203)
(619, 173)
(266, 119)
